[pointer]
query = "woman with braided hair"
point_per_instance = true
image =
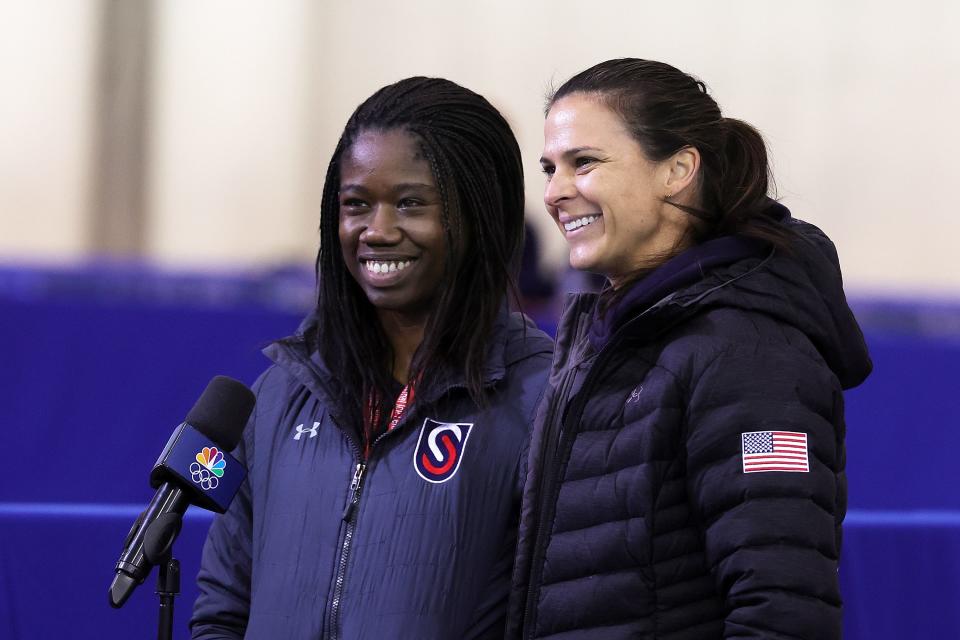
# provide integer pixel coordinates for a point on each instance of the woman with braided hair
(686, 473)
(386, 448)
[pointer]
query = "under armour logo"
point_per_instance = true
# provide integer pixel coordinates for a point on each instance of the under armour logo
(635, 394)
(311, 430)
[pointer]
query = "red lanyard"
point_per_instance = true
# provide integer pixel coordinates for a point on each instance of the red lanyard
(371, 417)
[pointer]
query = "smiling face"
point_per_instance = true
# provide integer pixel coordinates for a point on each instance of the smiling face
(391, 230)
(605, 195)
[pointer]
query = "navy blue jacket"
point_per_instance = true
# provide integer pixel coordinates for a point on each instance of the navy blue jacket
(640, 518)
(415, 547)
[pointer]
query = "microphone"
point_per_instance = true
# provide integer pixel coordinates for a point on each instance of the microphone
(194, 468)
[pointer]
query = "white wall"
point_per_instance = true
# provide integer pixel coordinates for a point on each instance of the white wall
(227, 132)
(856, 98)
(46, 81)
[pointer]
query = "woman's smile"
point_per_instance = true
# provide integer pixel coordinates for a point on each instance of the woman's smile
(391, 232)
(385, 271)
(605, 195)
(573, 226)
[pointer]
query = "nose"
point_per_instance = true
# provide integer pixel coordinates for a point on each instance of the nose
(559, 188)
(383, 227)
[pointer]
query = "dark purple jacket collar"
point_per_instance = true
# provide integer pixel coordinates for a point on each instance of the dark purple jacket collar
(680, 271)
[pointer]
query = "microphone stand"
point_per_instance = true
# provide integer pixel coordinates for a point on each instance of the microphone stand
(168, 587)
(158, 548)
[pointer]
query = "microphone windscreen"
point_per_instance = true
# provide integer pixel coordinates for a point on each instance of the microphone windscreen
(222, 410)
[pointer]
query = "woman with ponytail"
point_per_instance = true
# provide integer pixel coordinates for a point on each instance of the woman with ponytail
(686, 470)
(386, 448)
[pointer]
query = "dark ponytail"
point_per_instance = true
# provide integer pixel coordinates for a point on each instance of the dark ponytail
(667, 110)
(742, 183)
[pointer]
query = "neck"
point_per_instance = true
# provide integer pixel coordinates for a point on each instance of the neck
(405, 334)
(667, 245)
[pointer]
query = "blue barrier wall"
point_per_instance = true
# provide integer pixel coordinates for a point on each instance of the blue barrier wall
(100, 364)
(98, 367)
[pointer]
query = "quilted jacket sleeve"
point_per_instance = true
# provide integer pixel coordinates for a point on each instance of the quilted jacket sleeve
(772, 538)
(222, 608)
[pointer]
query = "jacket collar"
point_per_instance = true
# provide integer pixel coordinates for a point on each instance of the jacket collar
(677, 273)
(802, 288)
(308, 367)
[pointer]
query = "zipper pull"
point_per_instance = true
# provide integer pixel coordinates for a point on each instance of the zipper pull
(355, 488)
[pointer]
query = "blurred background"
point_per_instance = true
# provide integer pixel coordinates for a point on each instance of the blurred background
(161, 164)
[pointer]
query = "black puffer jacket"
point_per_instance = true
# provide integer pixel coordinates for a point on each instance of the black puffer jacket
(639, 520)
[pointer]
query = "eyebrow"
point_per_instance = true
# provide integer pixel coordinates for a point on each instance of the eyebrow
(571, 152)
(399, 187)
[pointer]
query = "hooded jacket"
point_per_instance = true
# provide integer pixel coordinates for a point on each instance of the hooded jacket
(646, 513)
(416, 542)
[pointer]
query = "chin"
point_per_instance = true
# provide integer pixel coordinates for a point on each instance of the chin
(583, 262)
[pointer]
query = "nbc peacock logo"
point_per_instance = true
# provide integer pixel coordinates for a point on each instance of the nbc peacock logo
(208, 468)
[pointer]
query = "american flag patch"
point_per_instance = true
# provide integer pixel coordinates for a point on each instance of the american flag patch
(774, 451)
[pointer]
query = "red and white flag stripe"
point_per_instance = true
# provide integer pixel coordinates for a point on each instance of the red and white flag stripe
(775, 451)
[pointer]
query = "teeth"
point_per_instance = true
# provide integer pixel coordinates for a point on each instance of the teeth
(386, 267)
(580, 222)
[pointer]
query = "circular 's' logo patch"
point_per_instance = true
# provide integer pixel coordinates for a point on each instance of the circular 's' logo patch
(440, 449)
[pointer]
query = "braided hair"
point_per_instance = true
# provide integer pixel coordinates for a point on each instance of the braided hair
(476, 164)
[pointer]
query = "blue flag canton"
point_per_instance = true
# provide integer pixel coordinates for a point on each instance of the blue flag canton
(758, 442)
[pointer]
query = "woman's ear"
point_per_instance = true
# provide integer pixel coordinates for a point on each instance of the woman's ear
(682, 169)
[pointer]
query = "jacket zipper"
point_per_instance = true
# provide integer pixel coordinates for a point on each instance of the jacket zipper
(552, 444)
(548, 502)
(546, 506)
(555, 450)
(349, 517)
(355, 488)
(350, 513)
